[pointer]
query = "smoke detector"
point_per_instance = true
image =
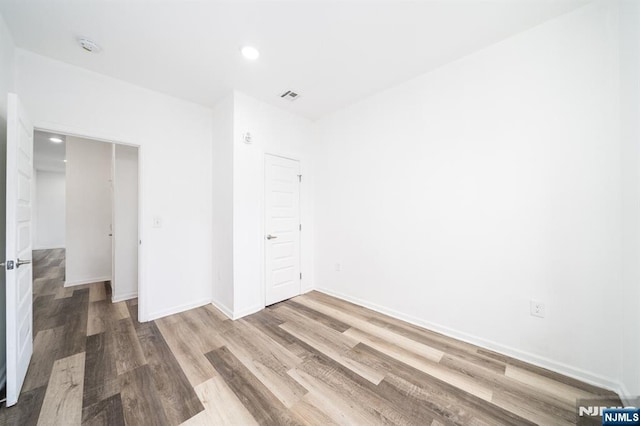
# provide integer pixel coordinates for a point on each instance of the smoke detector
(89, 45)
(290, 95)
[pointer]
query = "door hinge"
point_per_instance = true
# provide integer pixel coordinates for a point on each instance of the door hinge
(300, 227)
(299, 178)
(300, 275)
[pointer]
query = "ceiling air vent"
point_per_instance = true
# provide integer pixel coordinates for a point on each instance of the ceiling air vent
(290, 95)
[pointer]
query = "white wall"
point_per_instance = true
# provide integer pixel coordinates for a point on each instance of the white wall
(273, 131)
(630, 132)
(49, 210)
(454, 199)
(125, 223)
(7, 79)
(88, 211)
(223, 205)
(175, 139)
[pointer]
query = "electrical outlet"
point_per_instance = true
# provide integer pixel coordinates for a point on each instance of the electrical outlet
(338, 267)
(537, 309)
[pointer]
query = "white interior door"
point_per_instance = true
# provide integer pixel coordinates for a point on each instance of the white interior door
(19, 277)
(282, 226)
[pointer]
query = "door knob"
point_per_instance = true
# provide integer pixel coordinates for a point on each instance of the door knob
(22, 262)
(271, 237)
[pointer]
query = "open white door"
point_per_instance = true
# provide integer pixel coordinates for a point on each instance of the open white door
(19, 277)
(282, 223)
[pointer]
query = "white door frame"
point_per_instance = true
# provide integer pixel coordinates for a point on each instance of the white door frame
(87, 134)
(264, 220)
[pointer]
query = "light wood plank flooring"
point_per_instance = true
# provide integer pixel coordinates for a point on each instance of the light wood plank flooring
(311, 360)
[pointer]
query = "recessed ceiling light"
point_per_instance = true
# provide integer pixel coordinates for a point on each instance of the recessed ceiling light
(64, 161)
(251, 53)
(89, 45)
(55, 140)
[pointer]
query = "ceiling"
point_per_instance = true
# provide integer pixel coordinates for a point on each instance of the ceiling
(48, 156)
(332, 53)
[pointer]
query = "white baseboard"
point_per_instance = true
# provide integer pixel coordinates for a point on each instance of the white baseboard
(177, 309)
(123, 297)
(223, 308)
(247, 311)
(87, 281)
(549, 364)
(233, 315)
(47, 248)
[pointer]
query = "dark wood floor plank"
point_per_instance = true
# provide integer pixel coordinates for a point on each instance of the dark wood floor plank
(260, 402)
(141, 403)
(129, 355)
(176, 394)
(42, 307)
(100, 372)
(269, 324)
(27, 411)
(44, 286)
(75, 334)
(107, 412)
(46, 350)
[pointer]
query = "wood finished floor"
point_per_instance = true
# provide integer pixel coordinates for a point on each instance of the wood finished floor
(310, 360)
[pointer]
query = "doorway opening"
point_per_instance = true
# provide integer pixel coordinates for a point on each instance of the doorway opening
(85, 208)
